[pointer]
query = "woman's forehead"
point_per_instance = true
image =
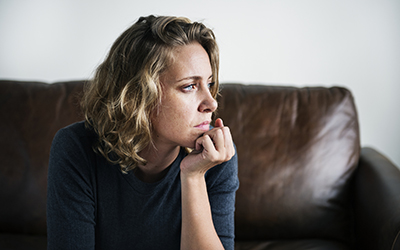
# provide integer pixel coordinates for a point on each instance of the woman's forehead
(188, 62)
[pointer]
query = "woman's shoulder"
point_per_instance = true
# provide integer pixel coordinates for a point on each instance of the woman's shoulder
(76, 136)
(80, 129)
(72, 151)
(77, 131)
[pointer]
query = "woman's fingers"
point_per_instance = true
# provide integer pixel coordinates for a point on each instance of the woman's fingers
(219, 123)
(211, 149)
(217, 136)
(230, 150)
(222, 141)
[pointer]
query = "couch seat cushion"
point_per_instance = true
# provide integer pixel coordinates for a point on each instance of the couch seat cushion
(22, 242)
(312, 244)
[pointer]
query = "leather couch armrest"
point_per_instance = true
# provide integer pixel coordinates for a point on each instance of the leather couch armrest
(377, 202)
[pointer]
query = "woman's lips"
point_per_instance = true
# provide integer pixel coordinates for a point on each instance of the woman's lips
(204, 126)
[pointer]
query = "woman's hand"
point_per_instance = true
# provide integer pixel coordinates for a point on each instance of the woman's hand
(213, 148)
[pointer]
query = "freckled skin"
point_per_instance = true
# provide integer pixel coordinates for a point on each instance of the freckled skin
(186, 101)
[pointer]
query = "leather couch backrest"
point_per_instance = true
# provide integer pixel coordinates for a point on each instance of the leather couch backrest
(31, 113)
(297, 150)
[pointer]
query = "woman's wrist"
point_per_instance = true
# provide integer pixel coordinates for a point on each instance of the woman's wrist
(192, 176)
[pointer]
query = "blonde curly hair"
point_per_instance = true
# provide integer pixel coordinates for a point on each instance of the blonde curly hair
(125, 90)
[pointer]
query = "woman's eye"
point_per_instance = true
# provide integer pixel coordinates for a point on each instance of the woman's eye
(193, 86)
(189, 87)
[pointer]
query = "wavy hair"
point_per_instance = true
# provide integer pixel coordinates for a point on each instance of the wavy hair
(125, 90)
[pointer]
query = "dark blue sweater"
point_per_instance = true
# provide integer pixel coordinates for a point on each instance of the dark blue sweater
(91, 204)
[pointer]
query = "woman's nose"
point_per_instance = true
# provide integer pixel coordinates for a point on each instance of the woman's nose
(208, 103)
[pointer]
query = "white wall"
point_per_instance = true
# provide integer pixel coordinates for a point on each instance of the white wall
(352, 43)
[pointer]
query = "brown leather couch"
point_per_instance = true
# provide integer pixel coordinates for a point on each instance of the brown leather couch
(304, 181)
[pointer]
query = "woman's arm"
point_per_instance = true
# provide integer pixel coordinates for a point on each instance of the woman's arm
(70, 197)
(198, 230)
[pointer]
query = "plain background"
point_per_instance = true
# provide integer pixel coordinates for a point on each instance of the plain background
(350, 43)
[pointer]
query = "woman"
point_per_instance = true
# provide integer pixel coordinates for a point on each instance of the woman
(146, 170)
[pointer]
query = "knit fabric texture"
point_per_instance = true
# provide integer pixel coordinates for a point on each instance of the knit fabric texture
(91, 204)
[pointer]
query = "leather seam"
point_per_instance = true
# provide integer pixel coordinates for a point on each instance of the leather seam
(395, 240)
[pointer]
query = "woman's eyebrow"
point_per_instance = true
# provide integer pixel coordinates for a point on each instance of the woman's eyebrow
(189, 78)
(193, 78)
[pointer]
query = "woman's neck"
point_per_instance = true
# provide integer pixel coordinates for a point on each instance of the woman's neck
(158, 161)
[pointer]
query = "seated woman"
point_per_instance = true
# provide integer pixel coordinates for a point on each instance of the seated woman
(145, 170)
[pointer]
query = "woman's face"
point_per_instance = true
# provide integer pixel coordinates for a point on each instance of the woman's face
(186, 103)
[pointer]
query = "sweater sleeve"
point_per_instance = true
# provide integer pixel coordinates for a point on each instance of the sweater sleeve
(70, 192)
(222, 183)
